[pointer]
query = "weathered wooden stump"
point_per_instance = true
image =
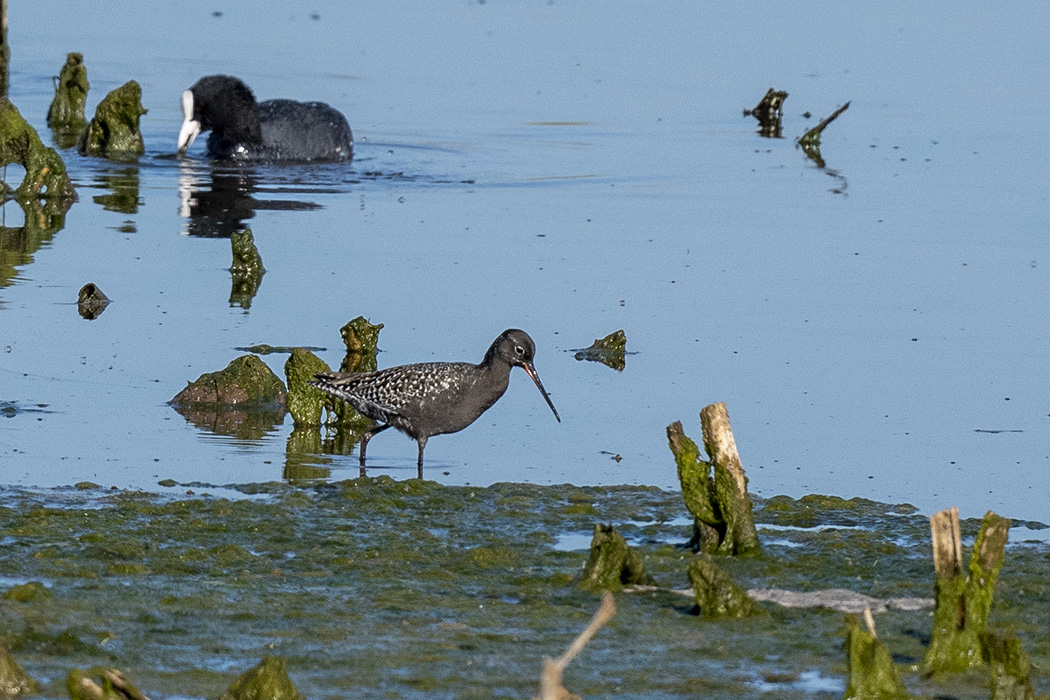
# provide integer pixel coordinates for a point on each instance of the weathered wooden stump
(963, 602)
(612, 563)
(871, 670)
(716, 594)
(715, 491)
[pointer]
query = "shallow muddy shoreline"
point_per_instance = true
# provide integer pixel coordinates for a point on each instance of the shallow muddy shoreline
(384, 588)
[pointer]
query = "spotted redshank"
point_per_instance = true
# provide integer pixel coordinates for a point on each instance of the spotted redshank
(434, 398)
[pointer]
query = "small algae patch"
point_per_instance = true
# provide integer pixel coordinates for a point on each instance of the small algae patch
(28, 592)
(374, 587)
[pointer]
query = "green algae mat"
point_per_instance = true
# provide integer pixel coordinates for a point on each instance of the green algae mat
(376, 588)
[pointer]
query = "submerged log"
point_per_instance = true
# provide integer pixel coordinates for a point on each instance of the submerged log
(715, 491)
(871, 670)
(612, 563)
(963, 602)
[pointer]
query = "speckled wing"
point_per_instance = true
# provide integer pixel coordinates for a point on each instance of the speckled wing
(389, 393)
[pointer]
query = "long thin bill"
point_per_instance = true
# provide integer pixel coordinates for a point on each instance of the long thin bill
(539, 385)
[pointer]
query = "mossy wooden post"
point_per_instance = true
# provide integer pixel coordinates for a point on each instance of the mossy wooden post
(963, 602)
(716, 594)
(612, 563)
(45, 176)
(1009, 667)
(871, 670)
(715, 491)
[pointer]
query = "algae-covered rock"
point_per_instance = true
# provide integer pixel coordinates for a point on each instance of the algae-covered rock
(46, 175)
(612, 563)
(362, 341)
(610, 351)
(267, 681)
(100, 683)
(28, 592)
(66, 114)
(716, 594)
(114, 131)
(247, 269)
(91, 302)
(872, 675)
(305, 403)
(13, 678)
(245, 381)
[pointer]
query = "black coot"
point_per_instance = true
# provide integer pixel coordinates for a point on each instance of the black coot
(275, 130)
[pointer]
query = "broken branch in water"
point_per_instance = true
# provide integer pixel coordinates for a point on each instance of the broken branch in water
(550, 680)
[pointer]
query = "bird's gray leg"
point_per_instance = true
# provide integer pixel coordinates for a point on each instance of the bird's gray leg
(422, 443)
(368, 436)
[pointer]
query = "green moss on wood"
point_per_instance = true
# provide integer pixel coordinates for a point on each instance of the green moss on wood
(305, 403)
(612, 563)
(46, 176)
(114, 131)
(247, 269)
(872, 675)
(716, 594)
(362, 342)
(65, 116)
(963, 604)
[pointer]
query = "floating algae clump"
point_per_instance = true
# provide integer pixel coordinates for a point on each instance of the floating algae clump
(114, 131)
(268, 680)
(19, 143)
(246, 380)
(66, 114)
(13, 678)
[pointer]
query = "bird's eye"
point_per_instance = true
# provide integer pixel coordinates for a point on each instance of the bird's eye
(519, 350)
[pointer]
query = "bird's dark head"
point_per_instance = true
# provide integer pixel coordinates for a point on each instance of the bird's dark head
(223, 105)
(516, 348)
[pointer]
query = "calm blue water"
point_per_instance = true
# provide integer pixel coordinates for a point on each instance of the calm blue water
(570, 168)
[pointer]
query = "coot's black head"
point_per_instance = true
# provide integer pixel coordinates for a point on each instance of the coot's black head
(225, 106)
